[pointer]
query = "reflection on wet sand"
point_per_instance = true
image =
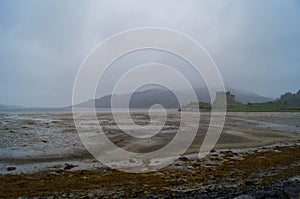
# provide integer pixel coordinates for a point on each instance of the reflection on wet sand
(33, 142)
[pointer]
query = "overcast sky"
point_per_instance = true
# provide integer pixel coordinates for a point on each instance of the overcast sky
(255, 43)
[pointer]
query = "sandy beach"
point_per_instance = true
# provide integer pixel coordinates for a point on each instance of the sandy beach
(254, 148)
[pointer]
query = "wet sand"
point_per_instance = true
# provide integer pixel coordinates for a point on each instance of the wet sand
(45, 147)
(33, 142)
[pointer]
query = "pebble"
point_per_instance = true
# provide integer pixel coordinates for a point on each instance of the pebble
(69, 167)
(183, 159)
(244, 197)
(11, 168)
(279, 189)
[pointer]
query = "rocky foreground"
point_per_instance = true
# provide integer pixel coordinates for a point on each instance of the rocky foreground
(265, 172)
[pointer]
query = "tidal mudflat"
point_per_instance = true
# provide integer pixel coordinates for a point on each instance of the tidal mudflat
(42, 155)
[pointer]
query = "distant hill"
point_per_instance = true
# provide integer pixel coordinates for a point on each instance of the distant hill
(248, 97)
(141, 99)
(288, 98)
(287, 102)
(147, 98)
(241, 96)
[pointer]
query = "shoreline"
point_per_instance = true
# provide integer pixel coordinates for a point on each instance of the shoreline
(39, 141)
(221, 170)
(42, 156)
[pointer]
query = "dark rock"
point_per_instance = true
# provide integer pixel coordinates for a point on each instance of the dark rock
(249, 183)
(69, 167)
(11, 168)
(183, 159)
(138, 191)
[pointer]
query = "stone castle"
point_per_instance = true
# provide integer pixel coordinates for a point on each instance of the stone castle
(230, 99)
